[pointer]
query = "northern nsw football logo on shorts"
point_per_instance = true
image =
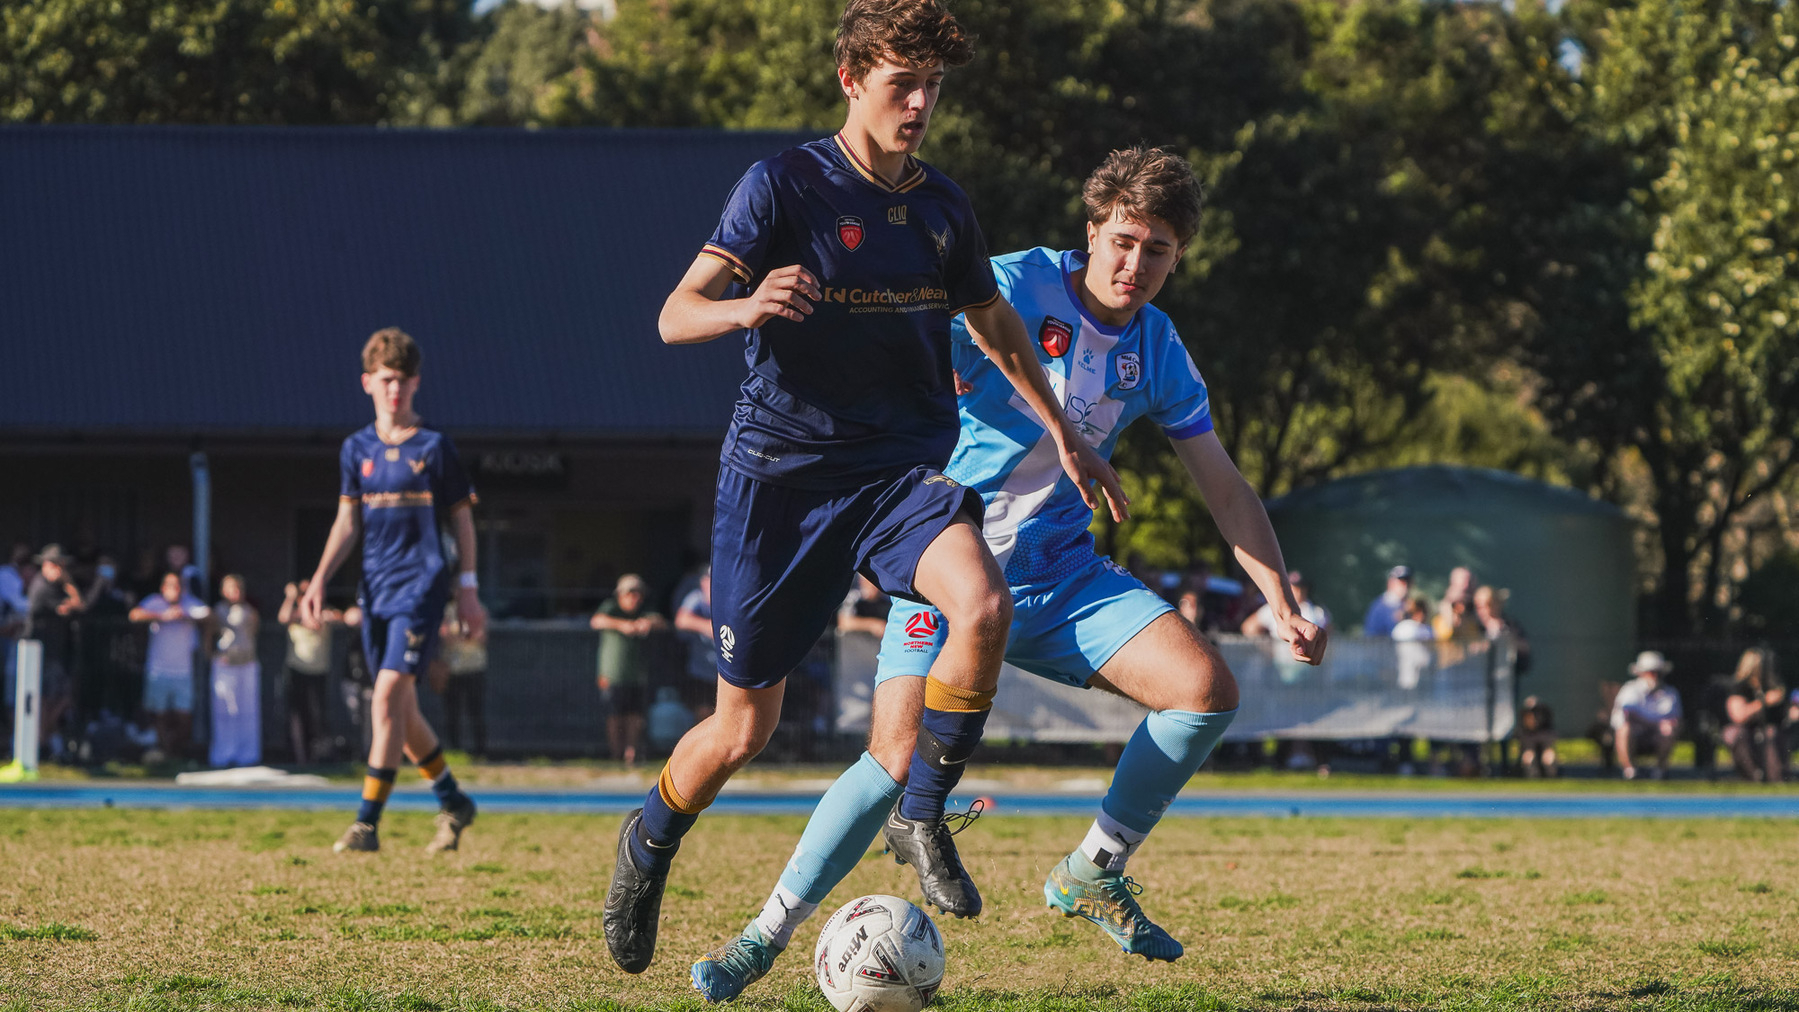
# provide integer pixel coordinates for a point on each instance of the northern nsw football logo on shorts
(921, 630)
(849, 232)
(727, 641)
(1055, 336)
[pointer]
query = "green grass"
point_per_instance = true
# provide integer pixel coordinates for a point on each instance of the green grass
(202, 911)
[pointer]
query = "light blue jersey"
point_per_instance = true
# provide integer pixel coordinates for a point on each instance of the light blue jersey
(1072, 610)
(1104, 377)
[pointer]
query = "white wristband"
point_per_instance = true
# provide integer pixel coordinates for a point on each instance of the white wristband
(467, 579)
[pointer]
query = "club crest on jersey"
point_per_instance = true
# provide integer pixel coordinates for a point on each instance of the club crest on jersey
(1130, 371)
(418, 466)
(849, 232)
(1055, 336)
(368, 468)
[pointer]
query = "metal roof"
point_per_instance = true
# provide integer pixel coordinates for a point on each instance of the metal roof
(221, 281)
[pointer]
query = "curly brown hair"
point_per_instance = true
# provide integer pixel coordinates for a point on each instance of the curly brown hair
(394, 349)
(916, 33)
(1140, 183)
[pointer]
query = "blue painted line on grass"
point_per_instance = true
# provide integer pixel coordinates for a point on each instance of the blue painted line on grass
(1431, 805)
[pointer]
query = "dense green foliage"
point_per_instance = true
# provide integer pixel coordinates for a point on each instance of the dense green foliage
(1562, 242)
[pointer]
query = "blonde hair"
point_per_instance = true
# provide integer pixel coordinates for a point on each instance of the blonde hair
(1752, 667)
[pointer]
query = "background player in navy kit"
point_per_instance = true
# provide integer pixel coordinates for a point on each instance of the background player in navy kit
(850, 258)
(401, 482)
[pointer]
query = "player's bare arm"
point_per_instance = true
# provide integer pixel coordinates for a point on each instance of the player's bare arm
(1243, 521)
(697, 311)
(1001, 336)
(468, 599)
(338, 546)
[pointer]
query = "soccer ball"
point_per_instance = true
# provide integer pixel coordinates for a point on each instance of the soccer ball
(879, 954)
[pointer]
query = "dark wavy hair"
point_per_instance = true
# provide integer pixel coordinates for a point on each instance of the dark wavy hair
(1141, 183)
(913, 32)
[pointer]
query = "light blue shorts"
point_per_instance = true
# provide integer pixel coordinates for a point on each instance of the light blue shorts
(168, 690)
(1062, 631)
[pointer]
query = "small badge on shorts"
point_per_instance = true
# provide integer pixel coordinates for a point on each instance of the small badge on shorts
(944, 478)
(921, 630)
(1055, 336)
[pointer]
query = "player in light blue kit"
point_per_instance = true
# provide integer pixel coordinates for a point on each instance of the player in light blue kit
(1077, 618)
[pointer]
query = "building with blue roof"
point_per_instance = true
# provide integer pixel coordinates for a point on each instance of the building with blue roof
(178, 296)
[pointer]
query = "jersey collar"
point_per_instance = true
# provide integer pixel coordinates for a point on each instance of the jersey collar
(911, 177)
(1072, 261)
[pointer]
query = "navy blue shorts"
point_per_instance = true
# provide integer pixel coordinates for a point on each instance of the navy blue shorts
(783, 560)
(403, 643)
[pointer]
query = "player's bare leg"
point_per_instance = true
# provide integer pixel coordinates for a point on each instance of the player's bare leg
(455, 808)
(959, 576)
(1180, 676)
(395, 698)
(705, 757)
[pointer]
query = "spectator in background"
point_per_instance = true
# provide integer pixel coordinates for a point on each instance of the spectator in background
(15, 577)
(1646, 715)
(1753, 706)
(1192, 606)
(1262, 622)
(51, 604)
(1455, 622)
(358, 686)
(308, 667)
(236, 679)
(465, 685)
(104, 597)
(865, 609)
(1411, 636)
(699, 690)
(174, 618)
(625, 623)
(1489, 613)
(1388, 609)
(180, 561)
(1536, 739)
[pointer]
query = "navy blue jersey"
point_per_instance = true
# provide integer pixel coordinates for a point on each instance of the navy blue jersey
(406, 490)
(861, 390)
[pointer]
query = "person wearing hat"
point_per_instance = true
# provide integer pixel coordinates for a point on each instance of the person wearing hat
(1389, 608)
(1646, 714)
(625, 623)
(51, 603)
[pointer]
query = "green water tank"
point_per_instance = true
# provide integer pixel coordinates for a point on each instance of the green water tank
(1564, 557)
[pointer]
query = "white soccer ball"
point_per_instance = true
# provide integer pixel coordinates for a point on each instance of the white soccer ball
(879, 954)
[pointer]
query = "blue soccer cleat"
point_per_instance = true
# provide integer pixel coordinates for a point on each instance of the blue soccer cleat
(723, 973)
(1111, 903)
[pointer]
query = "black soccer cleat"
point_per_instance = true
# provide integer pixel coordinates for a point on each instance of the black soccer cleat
(929, 848)
(633, 905)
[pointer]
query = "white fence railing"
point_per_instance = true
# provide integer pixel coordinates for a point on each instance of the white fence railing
(1460, 691)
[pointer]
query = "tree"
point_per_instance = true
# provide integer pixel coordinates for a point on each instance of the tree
(226, 61)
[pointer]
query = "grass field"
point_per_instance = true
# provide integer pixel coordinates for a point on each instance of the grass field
(142, 910)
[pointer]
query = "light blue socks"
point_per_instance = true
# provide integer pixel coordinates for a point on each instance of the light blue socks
(845, 823)
(1167, 749)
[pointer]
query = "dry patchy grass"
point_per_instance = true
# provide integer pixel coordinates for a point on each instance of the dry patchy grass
(200, 910)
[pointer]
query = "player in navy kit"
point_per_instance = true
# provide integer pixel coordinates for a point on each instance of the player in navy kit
(400, 483)
(846, 259)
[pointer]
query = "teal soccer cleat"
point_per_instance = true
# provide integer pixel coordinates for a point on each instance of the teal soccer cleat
(1111, 903)
(723, 973)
